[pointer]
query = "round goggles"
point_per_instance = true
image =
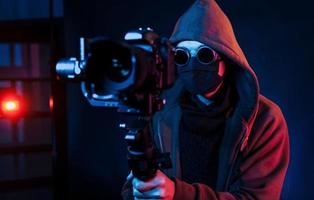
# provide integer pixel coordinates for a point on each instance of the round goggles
(204, 54)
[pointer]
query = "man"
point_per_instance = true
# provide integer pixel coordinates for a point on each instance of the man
(227, 141)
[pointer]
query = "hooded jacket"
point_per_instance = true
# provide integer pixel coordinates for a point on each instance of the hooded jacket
(254, 153)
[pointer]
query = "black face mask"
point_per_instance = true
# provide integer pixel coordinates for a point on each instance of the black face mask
(199, 74)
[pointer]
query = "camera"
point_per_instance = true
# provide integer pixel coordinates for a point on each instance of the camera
(127, 75)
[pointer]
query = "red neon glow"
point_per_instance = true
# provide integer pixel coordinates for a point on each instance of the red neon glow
(11, 107)
(51, 103)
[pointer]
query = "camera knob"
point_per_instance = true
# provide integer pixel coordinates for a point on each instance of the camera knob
(68, 68)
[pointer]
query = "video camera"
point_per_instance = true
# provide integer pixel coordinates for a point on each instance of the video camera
(128, 76)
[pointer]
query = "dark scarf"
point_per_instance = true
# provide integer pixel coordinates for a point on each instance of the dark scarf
(197, 116)
(201, 132)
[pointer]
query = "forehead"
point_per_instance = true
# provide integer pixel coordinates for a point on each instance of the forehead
(190, 44)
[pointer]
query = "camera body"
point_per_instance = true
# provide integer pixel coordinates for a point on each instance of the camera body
(126, 75)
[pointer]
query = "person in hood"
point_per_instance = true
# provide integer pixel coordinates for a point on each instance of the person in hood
(226, 140)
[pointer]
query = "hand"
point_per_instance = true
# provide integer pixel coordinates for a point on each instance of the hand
(159, 187)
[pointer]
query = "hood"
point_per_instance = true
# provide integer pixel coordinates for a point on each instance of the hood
(205, 22)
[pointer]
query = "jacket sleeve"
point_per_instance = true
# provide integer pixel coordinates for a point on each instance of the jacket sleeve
(262, 169)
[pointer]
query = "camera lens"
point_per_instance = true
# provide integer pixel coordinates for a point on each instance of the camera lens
(108, 60)
(181, 57)
(119, 67)
(206, 55)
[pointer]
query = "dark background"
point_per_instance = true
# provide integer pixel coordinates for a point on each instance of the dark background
(276, 36)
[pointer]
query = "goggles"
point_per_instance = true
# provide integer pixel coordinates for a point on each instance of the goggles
(204, 54)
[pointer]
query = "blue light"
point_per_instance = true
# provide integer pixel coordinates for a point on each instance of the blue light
(133, 36)
(4, 55)
(28, 9)
(18, 55)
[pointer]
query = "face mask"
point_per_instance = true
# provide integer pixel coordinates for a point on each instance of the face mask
(198, 67)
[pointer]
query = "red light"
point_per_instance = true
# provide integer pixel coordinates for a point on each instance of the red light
(11, 106)
(51, 103)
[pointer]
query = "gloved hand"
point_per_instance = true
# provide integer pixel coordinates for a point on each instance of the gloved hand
(159, 187)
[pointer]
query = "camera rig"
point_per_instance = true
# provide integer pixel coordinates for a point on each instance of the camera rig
(127, 76)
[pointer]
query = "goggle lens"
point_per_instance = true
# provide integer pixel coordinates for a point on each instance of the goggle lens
(206, 55)
(181, 57)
